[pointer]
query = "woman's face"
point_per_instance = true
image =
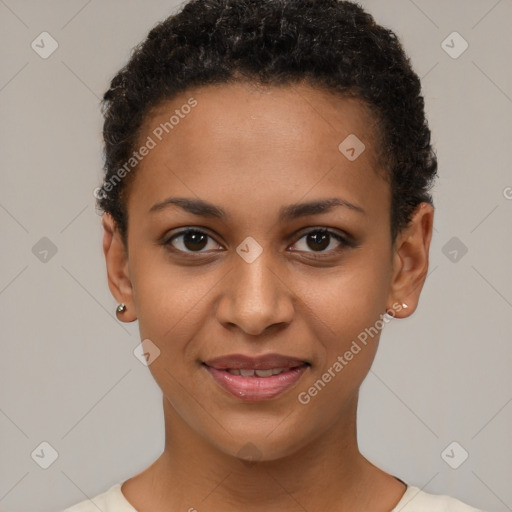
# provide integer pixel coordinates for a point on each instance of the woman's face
(262, 278)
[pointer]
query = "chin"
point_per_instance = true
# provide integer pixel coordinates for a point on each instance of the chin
(254, 445)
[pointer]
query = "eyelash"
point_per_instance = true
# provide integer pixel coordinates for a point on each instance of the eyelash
(345, 242)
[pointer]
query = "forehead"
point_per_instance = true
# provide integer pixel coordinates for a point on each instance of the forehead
(297, 116)
(239, 137)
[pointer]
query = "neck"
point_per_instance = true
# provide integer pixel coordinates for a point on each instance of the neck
(191, 474)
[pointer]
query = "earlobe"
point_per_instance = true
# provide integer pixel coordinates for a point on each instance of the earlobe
(118, 270)
(410, 260)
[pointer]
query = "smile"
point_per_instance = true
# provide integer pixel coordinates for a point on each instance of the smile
(256, 373)
(257, 385)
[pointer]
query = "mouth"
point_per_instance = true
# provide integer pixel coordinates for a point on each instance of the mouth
(256, 378)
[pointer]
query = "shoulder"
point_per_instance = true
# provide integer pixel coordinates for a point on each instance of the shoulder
(416, 500)
(111, 500)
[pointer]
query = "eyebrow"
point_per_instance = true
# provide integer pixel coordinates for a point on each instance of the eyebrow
(293, 211)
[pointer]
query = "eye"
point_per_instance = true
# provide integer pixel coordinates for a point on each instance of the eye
(190, 240)
(321, 239)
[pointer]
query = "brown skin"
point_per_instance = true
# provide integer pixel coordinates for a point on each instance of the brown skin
(251, 151)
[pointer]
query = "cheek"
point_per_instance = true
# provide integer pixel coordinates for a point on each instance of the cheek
(344, 311)
(168, 298)
(348, 300)
(345, 324)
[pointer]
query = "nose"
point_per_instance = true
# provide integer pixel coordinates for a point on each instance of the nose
(255, 297)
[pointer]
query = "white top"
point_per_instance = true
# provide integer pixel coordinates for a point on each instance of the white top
(414, 500)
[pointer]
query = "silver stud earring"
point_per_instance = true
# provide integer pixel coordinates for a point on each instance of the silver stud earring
(121, 308)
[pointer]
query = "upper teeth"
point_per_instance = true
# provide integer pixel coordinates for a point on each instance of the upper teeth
(259, 373)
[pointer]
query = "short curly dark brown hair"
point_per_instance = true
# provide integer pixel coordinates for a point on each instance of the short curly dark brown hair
(331, 44)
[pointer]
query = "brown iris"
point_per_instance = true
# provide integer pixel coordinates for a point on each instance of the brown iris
(320, 239)
(195, 240)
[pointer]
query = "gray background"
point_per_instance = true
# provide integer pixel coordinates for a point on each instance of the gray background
(68, 373)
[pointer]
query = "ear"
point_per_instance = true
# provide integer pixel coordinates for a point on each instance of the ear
(410, 262)
(118, 270)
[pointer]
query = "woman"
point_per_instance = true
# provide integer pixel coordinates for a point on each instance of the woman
(266, 212)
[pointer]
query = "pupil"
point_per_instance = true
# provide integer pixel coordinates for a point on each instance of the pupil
(192, 240)
(319, 238)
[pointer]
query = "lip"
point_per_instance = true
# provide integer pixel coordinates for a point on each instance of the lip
(256, 388)
(265, 362)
